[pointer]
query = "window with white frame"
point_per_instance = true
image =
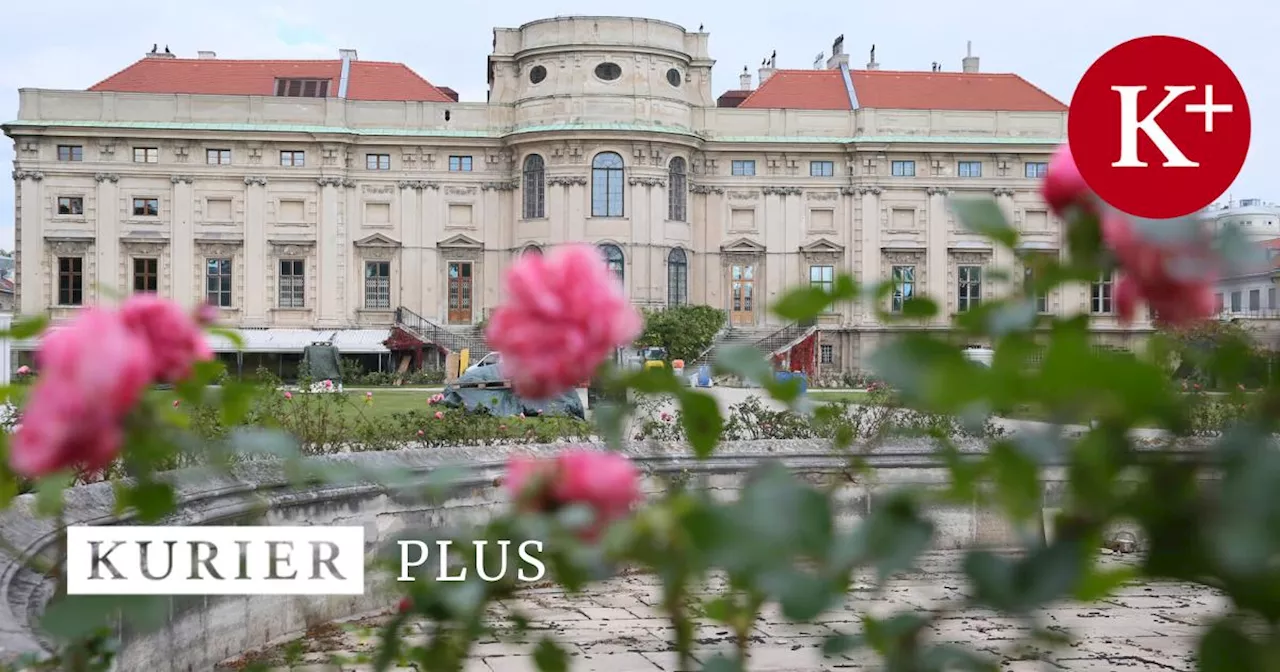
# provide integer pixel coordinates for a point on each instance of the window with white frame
(742, 167)
(1037, 169)
(969, 285)
(377, 285)
(969, 169)
(377, 162)
(903, 168)
(822, 168)
(1100, 294)
(146, 155)
(293, 283)
(904, 286)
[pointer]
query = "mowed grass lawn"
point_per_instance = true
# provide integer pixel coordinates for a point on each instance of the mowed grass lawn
(385, 402)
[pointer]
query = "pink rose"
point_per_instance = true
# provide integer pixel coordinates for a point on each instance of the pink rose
(435, 399)
(176, 402)
(24, 370)
(439, 415)
(607, 482)
(368, 395)
(565, 314)
(666, 417)
(328, 384)
(1175, 279)
(174, 336)
(420, 432)
(1063, 184)
(97, 369)
(502, 428)
(288, 394)
(206, 314)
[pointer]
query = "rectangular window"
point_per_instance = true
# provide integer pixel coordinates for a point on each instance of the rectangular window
(743, 168)
(377, 285)
(904, 285)
(302, 88)
(293, 159)
(70, 281)
(969, 283)
(217, 157)
(293, 282)
(146, 207)
(1235, 302)
(1100, 295)
(459, 164)
(70, 205)
(822, 277)
(1219, 302)
(146, 155)
(904, 168)
(146, 274)
(1037, 169)
(1255, 300)
(217, 275)
(822, 168)
(1029, 276)
(70, 153)
(826, 354)
(1271, 298)
(377, 161)
(969, 169)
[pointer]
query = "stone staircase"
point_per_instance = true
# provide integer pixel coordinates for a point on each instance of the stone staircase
(768, 340)
(453, 338)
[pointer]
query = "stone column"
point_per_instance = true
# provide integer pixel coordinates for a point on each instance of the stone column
(6, 349)
(870, 271)
(409, 272)
(936, 246)
(431, 274)
(331, 237)
(1002, 257)
(182, 241)
(256, 302)
(29, 240)
(106, 245)
(578, 208)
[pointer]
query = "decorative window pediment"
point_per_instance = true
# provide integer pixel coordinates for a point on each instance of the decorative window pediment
(822, 246)
(377, 240)
(461, 241)
(743, 246)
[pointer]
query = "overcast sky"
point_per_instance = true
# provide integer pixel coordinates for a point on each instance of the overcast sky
(71, 44)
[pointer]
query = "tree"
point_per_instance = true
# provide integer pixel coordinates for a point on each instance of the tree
(685, 331)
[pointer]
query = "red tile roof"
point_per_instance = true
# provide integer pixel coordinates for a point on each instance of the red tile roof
(369, 80)
(899, 90)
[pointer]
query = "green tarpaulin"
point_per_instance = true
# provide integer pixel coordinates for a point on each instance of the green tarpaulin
(323, 363)
(505, 403)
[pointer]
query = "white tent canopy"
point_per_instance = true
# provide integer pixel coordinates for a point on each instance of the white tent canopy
(348, 341)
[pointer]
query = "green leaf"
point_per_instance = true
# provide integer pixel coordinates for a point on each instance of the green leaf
(721, 663)
(49, 493)
(611, 419)
(75, 617)
(802, 595)
(263, 442)
(919, 308)
(549, 657)
(153, 500)
(954, 658)
(1012, 316)
(802, 303)
(1100, 583)
(1225, 648)
(985, 217)
(28, 328)
(702, 422)
(839, 643)
(1017, 481)
(745, 362)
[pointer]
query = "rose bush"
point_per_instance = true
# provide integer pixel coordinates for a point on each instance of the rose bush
(779, 543)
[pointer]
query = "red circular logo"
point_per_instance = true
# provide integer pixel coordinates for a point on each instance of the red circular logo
(1159, 127)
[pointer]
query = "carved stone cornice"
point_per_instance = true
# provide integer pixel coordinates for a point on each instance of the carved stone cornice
(647, 181)
(567, 180)
(509, 185)
(706, 189)
(937, 191)
(20, 175)
(781, 191)
(417, 185)
(106, 177)
(459, 190)
(334, 181)
(1002, 191)
(185, 179)
(874, 191)
(258, 180)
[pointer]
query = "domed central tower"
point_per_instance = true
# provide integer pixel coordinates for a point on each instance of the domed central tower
(600, 70)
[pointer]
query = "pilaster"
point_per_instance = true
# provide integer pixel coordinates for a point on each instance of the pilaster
(107, 236)
(870, 271)
(182, 241)
(256, 302)
(331, 235)
(936, 259)
(29, 237)
(1001, 256)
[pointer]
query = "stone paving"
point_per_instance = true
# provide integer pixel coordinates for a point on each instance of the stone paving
(614, 628)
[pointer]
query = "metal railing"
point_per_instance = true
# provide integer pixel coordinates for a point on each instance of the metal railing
(449, 339)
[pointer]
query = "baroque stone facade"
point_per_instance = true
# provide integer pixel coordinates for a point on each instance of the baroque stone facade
(332, 212)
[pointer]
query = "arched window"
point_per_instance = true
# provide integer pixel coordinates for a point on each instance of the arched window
(677, 191)
(531, 249)
(677, 278)
(613, 257)
(535, 187)
(606, 185)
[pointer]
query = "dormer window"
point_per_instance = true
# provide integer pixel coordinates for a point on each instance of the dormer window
(302, 88)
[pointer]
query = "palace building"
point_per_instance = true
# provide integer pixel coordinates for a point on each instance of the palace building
(346, 199)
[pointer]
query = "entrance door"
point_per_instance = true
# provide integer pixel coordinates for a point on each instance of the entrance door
(459, 292)
(742, 295)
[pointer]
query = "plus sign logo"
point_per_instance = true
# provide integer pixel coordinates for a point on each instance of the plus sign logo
(1159, 127)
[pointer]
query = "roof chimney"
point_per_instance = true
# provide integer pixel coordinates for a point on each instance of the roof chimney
(744, 80)
(871, 63)
(819, 60)
(970, 62)
(768, 67)
(347, 54)
(206, 55)
(838, 57)
(156, 53)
